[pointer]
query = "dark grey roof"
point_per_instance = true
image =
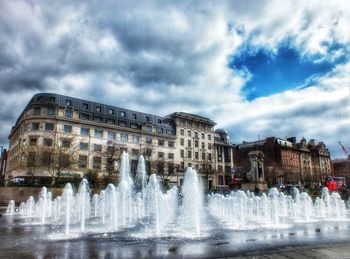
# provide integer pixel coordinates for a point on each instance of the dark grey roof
(191, 116)
(95, 109)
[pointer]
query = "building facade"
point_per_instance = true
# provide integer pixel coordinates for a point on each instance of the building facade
(341, 168)
(57, 133)
(287, 161)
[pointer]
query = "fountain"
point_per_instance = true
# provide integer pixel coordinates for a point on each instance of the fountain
(143, 210)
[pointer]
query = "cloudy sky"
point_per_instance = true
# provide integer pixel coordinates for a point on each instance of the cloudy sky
(267, 68)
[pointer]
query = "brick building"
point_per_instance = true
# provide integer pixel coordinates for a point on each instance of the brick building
(341, 168)
(286, 161)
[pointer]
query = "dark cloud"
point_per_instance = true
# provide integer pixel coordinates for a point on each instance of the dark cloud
(162, 56)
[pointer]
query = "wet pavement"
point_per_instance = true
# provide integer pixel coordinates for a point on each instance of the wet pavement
(303, 240)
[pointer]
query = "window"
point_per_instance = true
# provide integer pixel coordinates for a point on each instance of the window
(96, 162)
(49, 126)
(98, 133)
(84, 116)
(182, 153)
(189, 133)
(51, 111)
(110, 111)
(85, 131)
(203, 136)
(209, 137)
(134, 116)
(147, 118)
(85, 106)
(169, 132)
(82, 162)
(182, 142)
(52, 99)
(203, 156)
(134, 125)
(182, 165)
(171, 167)
(209, 157)
(135, 152)
(46, 158)
(189, 143)
(97, 147)
(68, 102)
(111, 135)
(148, 129)
(220, 180)
(159, 121)
(209, 146)
(196, 134)
(148, 152)
(122, 114)
(122, 123)
(98, 118)
(189, 154)
(67, 128)
(47, 142)
(123, 136)
(160, 154)
(196, 155)
(148, 140)
(84, 146)
(31, 159)
(68, 113)
(135, 139)
(33, 141)
(203, 145)
(160, 142)
(196, 143)
(159, 130)
(66, 143)
(35, 126)
(170, 156)
(110, 121)
(37, 110)
(170, 144)
(182, 132)
(98, 108)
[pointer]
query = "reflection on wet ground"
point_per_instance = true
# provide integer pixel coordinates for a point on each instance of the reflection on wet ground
(20, 240)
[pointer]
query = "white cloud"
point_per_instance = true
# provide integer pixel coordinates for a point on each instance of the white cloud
(162, 57)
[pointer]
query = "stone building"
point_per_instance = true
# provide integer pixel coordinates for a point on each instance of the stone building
(223, 154)
(287, 161)
(94, 134)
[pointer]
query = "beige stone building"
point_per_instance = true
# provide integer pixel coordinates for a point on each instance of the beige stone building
(74, 136)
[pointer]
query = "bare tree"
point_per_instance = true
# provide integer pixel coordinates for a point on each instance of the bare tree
(110, 156)
(61, 156)
(157, 163)
(31, 159)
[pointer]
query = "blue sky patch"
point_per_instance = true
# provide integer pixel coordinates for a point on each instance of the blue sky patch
(276, 72)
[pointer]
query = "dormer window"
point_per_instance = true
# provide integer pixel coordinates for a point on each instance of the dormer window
(98, 108)
(68, 102)
(110, 111)
(122, 114)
